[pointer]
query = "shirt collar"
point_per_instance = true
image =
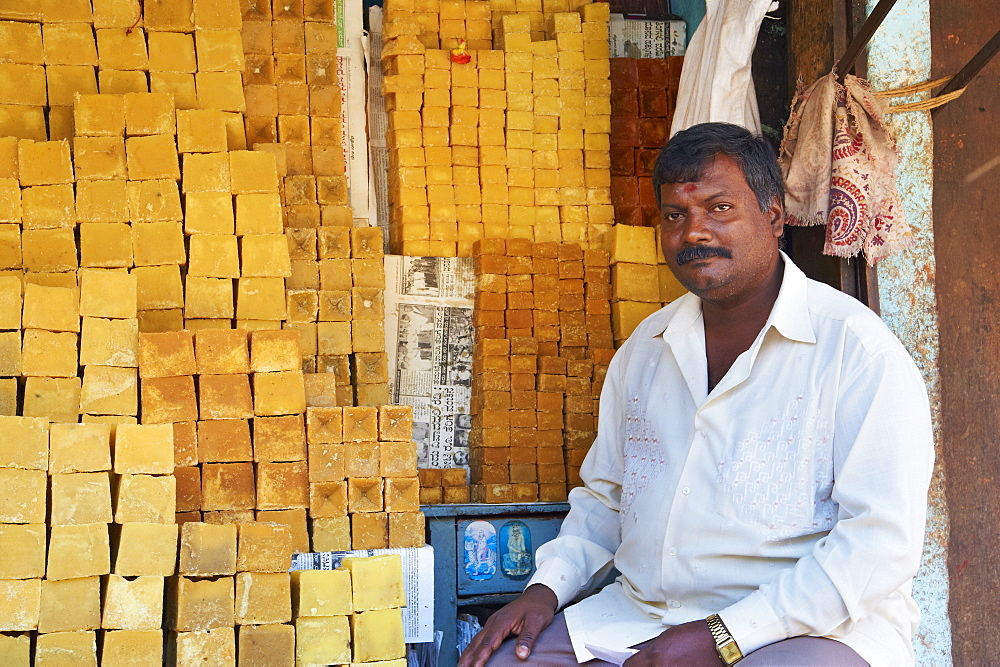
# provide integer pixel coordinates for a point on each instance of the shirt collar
(789, 316)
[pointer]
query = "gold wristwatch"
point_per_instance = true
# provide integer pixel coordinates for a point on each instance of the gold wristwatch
(727, 647)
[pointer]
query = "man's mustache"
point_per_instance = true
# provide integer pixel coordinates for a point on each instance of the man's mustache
(695, 252)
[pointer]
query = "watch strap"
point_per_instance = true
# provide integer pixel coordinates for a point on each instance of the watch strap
(725, 645)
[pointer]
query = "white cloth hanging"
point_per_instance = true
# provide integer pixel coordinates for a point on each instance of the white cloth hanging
(715, 84)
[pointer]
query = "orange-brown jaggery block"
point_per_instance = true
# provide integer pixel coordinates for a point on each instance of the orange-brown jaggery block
(207, 550)
(331, 533)
(271, 644)
(188, 488)
(406, 529)
(365, 494)
(362, 459)
(166, 354)
(222, 351)
(395, 422)
(328, 499)
(264, 547)
(224, 397)
(282, 485)
(402, 494)
(325, 425)
(370, 530)
(398, 459)
(360, 424)
(327, 461)
(216, 646)
(224, 440)
(280, 438)
(169, 399)
(228, 486)
(275, 350)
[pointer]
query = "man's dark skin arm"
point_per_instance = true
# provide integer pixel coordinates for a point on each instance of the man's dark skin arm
(526, 617)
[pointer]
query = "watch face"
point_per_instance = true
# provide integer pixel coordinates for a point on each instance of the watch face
(730, 652)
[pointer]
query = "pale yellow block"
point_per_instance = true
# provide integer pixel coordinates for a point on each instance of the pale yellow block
(106, 245)
(628, 243)
(79, 448)
(321, 593)
(22, 551)
(70, 605)
(149, 113)
(146, 549)
(331, 533)
(122, 49)
(103, 201)
(171, 52)
(208, 297)
(377, 582)
(220, 90)
(216, 646)
(214, 256)
(80, 498)
(378, 635)
(132, 647)
(69, 44)
(159, 287)
(219, 51)
(261, 299)
(209, 213)
(145, 449)
(78, 551)
(151, 157)
(263, 598)
(158, 243)
(56, 399)
(279, 393)
(62, 648)
(107, 293)
(132, 604)
(202, 131)
(265, 255)
(44, 162)
(145, 499)
(120, 82)
(24, 614)
(15, 650)
(258, 214)
(180, 85)
(201, 604)
(322, 640)
(154, 201)
(49, 354)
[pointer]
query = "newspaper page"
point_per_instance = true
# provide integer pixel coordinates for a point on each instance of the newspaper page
(418, 578)
(351, 79)
(428, 337)
(642, 38)
(378, 122)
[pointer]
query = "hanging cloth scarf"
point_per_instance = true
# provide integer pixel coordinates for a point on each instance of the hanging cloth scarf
(839, 160)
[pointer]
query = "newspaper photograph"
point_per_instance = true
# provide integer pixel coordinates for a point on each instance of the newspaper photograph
(418, 578)
(429, 337)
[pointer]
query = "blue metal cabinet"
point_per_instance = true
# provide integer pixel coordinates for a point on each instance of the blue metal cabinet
(483, 554)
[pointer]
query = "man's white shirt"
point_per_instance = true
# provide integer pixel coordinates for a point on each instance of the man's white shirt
(791, 499)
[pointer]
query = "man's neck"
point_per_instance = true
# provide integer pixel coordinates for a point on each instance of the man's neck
(730, 330)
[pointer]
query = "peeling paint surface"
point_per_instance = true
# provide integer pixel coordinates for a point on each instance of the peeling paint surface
(900, 54)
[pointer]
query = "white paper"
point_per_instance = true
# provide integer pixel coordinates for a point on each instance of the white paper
(351, 80)
(418, 578)
(614, 656)
(378, 120)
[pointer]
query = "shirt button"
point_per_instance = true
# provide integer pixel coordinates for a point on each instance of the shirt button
(671, 551)
(686, 490)
(703, 433)
(675, 604)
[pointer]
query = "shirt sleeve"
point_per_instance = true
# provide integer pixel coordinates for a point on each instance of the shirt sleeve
(591, 533)
(883, 458)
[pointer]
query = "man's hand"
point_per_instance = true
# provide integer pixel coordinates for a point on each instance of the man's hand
(686, 644)
(526, 617)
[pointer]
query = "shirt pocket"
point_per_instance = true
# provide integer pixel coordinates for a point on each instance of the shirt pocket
(778, 477)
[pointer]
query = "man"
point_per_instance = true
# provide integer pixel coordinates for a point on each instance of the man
(760, 472)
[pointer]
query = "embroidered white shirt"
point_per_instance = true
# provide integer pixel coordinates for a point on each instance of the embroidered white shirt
(791, 499)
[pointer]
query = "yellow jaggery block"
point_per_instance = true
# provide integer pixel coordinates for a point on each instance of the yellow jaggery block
(322, 640)
(107, 293)
(171, 52)
(146, 549)
(262, 597)
(78, 551)
(108, 342)
(376, 582)
(201, 604)
(207, 550)
(122, 49)
(219, 51)
(148, 114)
(145, 499)
(261, 645)
(378, 635)
(258, 214)
(154, 201)
(132, 604)
(132, 647)
(106, 245)
(216, 646)
(101, 201)
(145, 449)
(151, 157)
(213, 256)
(44, 162)
(636, 245)
(79, 448)
(22, 551)
(80, 498)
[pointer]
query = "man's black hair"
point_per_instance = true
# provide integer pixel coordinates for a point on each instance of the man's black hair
(690, 151)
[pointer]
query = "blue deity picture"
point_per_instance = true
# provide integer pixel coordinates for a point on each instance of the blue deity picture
(515, 549)
(480, 550)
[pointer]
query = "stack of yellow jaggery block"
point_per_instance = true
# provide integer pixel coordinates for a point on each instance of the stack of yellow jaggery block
(641, 281)
(506, 143)
(444, 485)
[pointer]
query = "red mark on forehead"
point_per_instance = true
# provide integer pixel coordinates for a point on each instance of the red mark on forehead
(690, 187)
